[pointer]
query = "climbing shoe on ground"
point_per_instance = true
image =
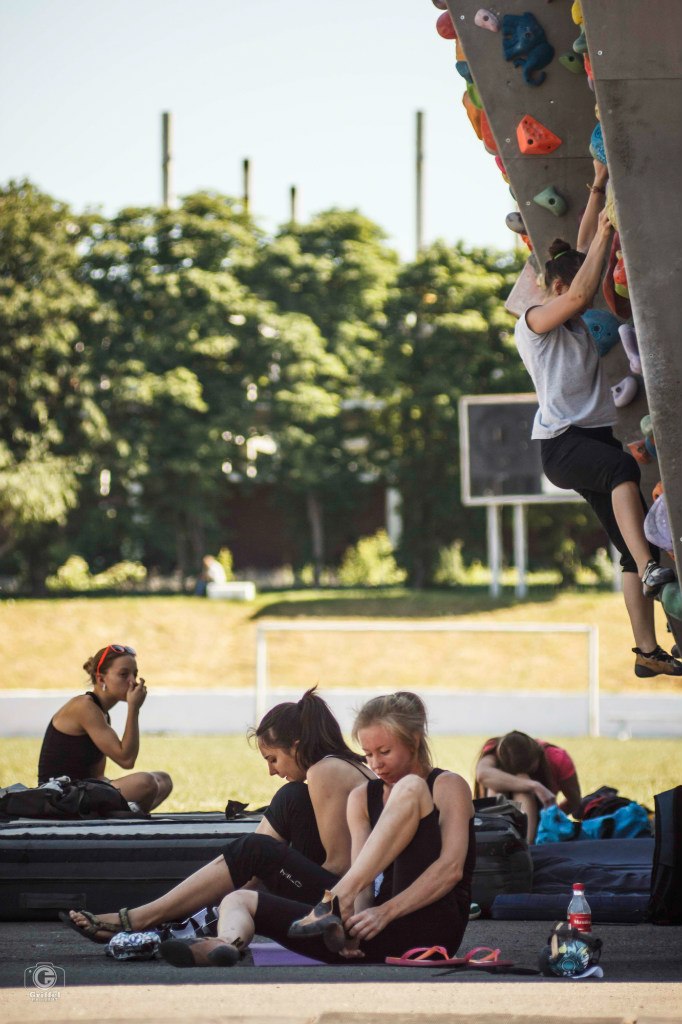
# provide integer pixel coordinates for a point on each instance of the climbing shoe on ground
(656, 663)
(655, 577)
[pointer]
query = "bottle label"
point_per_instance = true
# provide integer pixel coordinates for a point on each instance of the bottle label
(581, 921)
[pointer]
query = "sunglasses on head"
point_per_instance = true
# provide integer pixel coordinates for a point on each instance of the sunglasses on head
(117, 649)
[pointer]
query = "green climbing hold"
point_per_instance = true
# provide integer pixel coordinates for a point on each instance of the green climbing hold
(550, 200)
(473, 95)
(646, 426)
(671, 598)
(580, 45)
(572, 62)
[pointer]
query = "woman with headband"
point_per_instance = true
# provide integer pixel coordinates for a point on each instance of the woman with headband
(575, 419)
(79, 738)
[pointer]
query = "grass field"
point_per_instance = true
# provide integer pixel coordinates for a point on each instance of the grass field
(208, 770)
(186, 642)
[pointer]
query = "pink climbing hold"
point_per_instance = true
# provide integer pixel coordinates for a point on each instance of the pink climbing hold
(486, 19)
(625, 391)
(444, 26)
(628, 338)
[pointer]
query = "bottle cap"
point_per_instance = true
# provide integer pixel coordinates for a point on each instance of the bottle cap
(579, 885)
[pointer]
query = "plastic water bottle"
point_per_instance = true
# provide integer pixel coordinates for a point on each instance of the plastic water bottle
(579, 913)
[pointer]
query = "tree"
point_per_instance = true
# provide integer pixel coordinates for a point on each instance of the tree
(447, 335)
(49, 415)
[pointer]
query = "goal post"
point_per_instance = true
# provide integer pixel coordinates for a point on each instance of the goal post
(591, 633)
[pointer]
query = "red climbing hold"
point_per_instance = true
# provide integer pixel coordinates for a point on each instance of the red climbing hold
(620, 277)
(487, 136)
(444, 26)
(534, 139)
(502, 168)
(638, 450)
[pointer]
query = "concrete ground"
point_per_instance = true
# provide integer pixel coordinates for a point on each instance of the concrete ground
(642, 982)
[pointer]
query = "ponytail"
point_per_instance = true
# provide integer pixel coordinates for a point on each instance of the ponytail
(309, 726)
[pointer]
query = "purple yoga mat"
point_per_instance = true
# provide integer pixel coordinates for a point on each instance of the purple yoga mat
(271, 954)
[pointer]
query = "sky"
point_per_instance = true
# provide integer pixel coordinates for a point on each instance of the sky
(318, 95)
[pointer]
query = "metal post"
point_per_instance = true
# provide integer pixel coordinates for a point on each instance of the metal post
(293, 197)
(593, 683)
(494, 549)
(617, 583)
(167, 194)
(261, 672)
(520, 549)
(246, 178)
(419, 182)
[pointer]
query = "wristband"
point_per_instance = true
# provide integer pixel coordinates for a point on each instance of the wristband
(596, 188)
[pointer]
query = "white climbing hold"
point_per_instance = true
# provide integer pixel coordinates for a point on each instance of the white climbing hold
(625, 391)
(486, 19)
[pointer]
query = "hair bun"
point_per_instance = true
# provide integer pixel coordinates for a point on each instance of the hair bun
(559, 247)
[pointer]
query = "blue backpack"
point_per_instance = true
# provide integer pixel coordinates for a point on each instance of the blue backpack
(628, 822)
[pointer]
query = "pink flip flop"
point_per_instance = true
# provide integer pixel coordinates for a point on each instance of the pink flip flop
(423, 956)
(491, 958)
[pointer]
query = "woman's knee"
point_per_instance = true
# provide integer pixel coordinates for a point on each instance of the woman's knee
(164, 784)
(410, 789)
(240, 900)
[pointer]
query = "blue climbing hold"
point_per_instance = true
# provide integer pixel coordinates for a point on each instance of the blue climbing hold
(462, 68)
(603, 327)
(597, 144)
(525, 44)
(580, 45)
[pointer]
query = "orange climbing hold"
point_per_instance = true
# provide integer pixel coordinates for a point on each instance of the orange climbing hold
(534, 139)
(459, 50)
(487, 136)
(526, 240)
(473, 113)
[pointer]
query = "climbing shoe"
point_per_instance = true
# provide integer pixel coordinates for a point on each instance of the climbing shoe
(655, 577)
(656, 663)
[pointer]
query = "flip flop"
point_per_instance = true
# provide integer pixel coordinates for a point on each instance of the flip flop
(94, 925)
(490, 961)
(423, 956)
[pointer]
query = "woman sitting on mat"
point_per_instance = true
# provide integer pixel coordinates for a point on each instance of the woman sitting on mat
(79, 738)
(529, 771)
(413, 856)
(303, 832)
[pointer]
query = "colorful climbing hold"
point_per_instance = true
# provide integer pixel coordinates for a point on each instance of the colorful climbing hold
(580, 45)
(534, 138)
(671, 599)
(625, 391)
(525, 44)
(444, 26)
(610, 205)
(628, 339)
(503, 171)
(514, 222)
(587, 63)
(486, 19)
(646, 426)
(550, 200)
(576, 12)
(487, 137)
(442, 5)
(657, 525)
(459, 50)
(603, 327)
(638, 451)
(597, 150)
(473, 95)
(572, 62)
(617, 303)
(462, 68)
(657, 491)
(650, 446)
(473, 113)
(620, 277)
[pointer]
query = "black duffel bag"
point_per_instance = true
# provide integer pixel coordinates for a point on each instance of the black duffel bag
(503, 861)
(63, 799)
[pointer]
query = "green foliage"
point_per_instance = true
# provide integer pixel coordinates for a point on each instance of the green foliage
(371, 563)
(227, 562)
(75, 574)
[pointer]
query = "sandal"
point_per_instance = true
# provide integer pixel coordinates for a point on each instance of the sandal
(423, 956)
(94, 925)
(490, 961)
(323, 920)
(196, 953)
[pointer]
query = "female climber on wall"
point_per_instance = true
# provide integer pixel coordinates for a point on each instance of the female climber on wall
(575, 419)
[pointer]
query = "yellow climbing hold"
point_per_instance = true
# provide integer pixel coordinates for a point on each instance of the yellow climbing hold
(610, 205)
(577, 12)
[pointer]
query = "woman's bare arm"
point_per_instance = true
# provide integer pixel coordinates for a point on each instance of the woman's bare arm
(491, 777)
(590, 218)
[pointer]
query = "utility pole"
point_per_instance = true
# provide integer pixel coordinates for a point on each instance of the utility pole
(293, 202)
(246, 179)
(419, 182)
(167, 192)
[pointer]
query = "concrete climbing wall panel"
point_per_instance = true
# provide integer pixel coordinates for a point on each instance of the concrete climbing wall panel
(562, 103)
(636, 54)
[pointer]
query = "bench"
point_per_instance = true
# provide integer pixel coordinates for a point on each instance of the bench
(235, 590)
(625, 721)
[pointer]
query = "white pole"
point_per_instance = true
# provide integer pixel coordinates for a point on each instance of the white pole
(617, 574)
(593, 684)
(520, 549)
(261, 673)
(494, 549)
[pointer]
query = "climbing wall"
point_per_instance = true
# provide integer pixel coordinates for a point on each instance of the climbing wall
(636, 57)
(535, 76)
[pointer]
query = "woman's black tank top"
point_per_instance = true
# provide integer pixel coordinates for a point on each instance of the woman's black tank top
(75, 756)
